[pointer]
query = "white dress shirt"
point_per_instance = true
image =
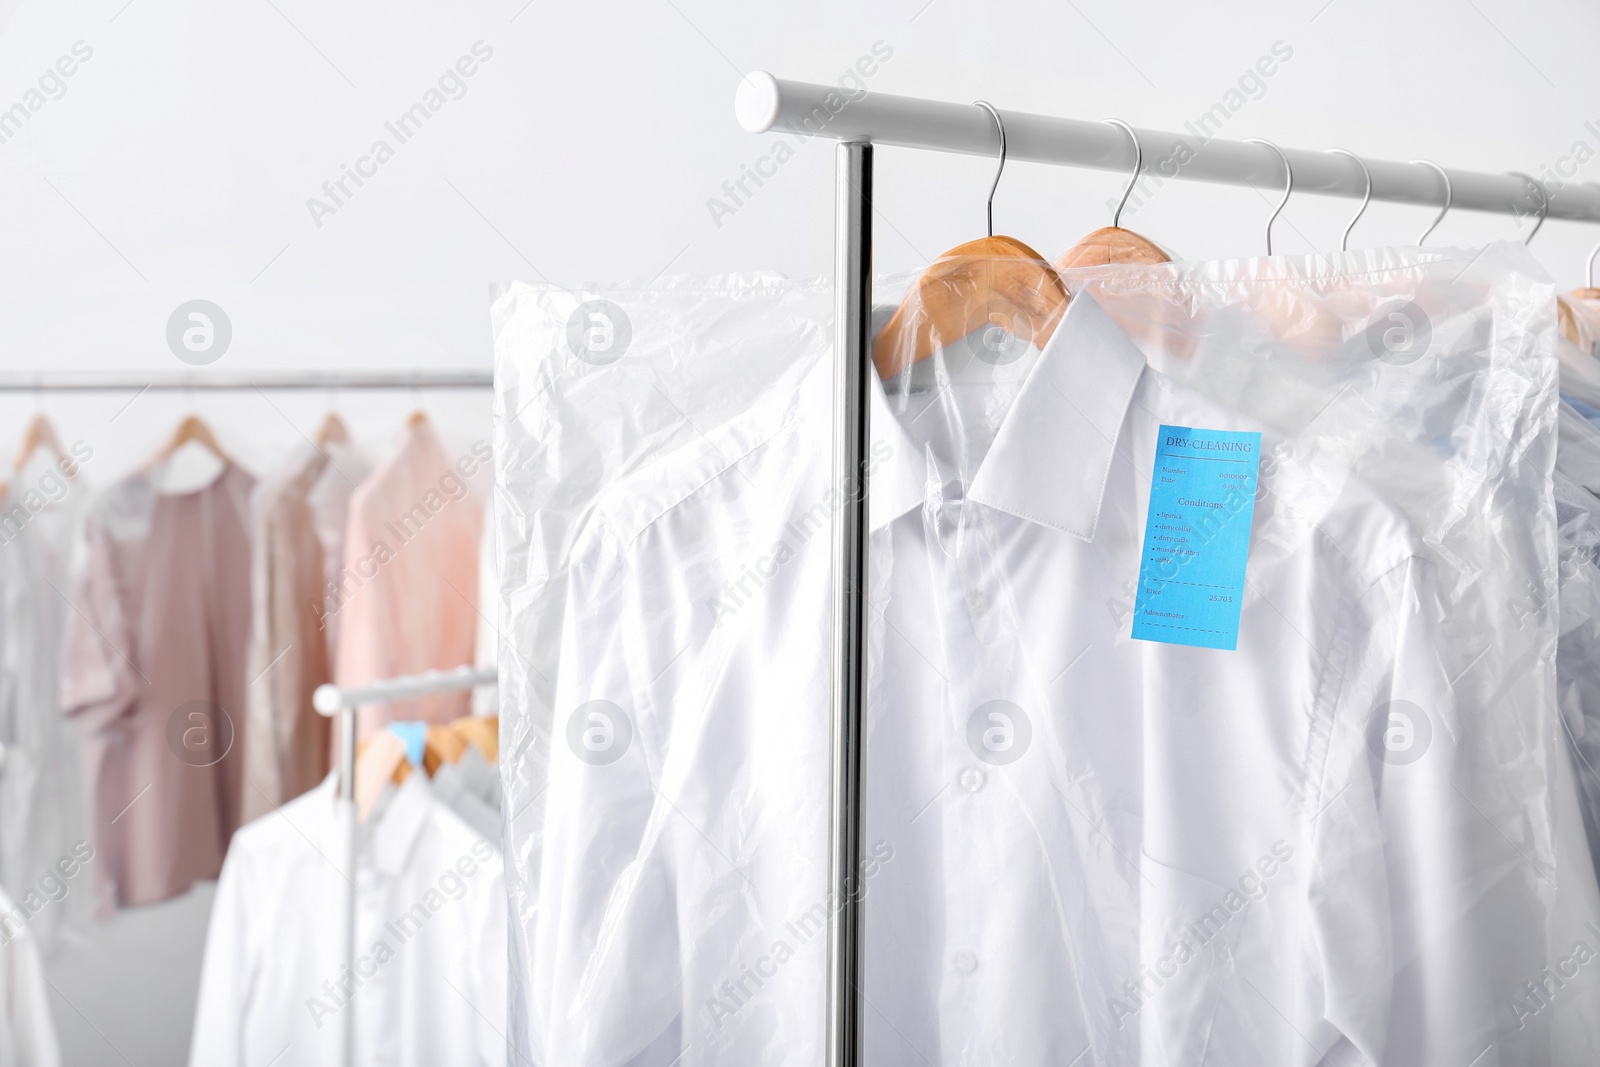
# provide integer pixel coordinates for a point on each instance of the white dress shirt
(429, 973)
(1154, 854)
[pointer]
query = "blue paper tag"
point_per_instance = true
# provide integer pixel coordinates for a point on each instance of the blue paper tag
(415, 735)
(1197, 537)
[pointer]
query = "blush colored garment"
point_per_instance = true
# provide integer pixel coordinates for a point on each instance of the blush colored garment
(286, 752)
(407, 595)
(153, 672)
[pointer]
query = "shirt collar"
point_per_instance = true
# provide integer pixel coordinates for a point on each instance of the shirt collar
(401, 824)
(1051, 459)
(398, 824)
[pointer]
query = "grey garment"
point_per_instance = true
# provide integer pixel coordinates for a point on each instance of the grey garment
(457, 788)
(153, 673)
(287, 742)
(1578, 650)
(43, 834)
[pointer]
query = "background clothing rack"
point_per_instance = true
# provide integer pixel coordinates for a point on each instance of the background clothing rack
(333, 700)
(858, 122)
(88, 382)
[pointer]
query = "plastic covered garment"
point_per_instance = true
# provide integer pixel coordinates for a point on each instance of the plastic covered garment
(656, 838)
(1302, 815)
(1431, 375)
(1577, 490)
(43, 834)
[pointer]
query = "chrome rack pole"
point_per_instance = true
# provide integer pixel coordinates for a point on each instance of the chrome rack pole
(852, 320)
(805, 110)
(347, 813)
(331, 700)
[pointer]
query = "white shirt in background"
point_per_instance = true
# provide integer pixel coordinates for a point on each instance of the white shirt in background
(429, 979)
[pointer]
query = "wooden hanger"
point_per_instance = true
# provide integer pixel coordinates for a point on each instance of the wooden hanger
(332, 430)
(963, 289)
(416, 418)
(1569, 319)
(192, 428)
(380, 760)
(1588, 294)
(41, 433)
(1113, 244)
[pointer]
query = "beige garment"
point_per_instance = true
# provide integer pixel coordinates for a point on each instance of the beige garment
(286, 740)
(153, 673)
(407, 594)
(329, 500)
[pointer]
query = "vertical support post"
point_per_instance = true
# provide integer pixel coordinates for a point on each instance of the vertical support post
(852, 322)
(347, 819)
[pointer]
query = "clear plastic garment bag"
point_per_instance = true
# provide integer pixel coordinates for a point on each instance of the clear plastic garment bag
(663, 510)
(1431, 375)
(1212, 695)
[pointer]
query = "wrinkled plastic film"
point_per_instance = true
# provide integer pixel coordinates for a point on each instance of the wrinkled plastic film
(609, 407)
(1430, 376)
(1359, 833)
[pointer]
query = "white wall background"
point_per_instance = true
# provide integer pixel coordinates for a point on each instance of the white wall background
(178, 160)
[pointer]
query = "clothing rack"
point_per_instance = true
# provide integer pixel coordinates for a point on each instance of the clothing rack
(859, 120)
(86, 382)
(331, 700)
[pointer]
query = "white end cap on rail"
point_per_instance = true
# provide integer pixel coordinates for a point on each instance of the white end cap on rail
(756, 102)
(325, 698)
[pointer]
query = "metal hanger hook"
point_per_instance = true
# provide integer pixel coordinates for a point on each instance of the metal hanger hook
(1288, 185)
(1544, 201)
(1138, 168)
(1344, 242)
(1449, 195)
(1588, 270)
(1001, 169)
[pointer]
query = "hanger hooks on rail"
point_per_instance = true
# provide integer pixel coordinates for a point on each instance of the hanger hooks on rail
(1344, 241)
(1288, 185)
(1138, 168)
(1544, 201)
(1001, 169)
(1449, 195)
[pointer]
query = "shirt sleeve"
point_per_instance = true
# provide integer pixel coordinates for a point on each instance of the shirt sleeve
(97, 680)
(1402, 901)
(607, 969)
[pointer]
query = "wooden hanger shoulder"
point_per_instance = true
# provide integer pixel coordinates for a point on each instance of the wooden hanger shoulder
(996, 280)
(40, 433)
(191, 428)
(1111, 244)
